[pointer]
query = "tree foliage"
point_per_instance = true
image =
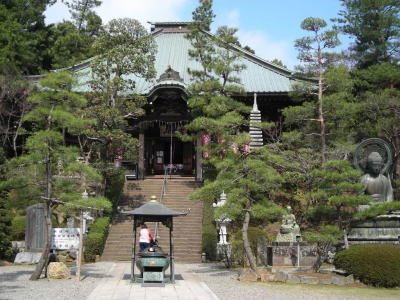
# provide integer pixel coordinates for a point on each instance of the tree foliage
(24, 35)
(124, 51)
(73, 40)
(312, 51)
(49, 165)
(375, 25)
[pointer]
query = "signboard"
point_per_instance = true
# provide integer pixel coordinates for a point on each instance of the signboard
(65, 238)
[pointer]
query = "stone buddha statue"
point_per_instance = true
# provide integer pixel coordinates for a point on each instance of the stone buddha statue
(377, 185)
(289, 228)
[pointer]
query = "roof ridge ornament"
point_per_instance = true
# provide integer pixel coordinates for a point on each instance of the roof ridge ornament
(170, 74)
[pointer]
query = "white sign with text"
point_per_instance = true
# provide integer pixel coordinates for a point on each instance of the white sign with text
(65, 238)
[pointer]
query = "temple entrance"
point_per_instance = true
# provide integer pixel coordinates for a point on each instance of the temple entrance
(163, 149)
(160, 154)
(166, 116)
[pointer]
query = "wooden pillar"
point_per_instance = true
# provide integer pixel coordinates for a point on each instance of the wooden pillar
(141, 156)
(199, 169)
(133, 257)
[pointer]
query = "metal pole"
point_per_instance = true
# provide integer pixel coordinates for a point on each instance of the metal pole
(171, 252)
(298, 254)
(80, 254)
(133, 252)
(170, 153)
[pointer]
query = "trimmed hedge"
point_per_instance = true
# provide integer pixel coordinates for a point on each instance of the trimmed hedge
(372, 264)
(95, 240)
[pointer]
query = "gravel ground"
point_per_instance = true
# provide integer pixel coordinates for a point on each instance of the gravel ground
(15, 283)
(225, 285)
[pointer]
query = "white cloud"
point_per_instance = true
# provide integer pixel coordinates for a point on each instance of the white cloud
(232, 19)
(264, 46)
(142, 10)
(267, 48)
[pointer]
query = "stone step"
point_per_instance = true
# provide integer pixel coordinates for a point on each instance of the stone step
(187, 230)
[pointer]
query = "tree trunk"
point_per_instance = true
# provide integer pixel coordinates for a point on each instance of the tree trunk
(44, 259)
(321, 109)
(246, 243)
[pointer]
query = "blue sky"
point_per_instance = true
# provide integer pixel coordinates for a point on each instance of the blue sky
(268, 26)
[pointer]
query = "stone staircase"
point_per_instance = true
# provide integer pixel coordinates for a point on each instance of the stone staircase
(187, 229)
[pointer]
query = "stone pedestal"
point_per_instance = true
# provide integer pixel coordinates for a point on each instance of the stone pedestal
(384, 229)
(285, 254)
(27, 258)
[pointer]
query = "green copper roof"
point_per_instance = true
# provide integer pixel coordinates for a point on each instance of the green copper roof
(259, 76)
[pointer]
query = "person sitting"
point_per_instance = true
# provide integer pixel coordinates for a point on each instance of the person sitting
(145, 237)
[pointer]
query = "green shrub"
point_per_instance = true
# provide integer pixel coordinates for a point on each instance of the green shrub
(95, 240)
(114, 187)
(210, 235)
(372, 264)
(238, 253)
(18, 228)
(100, 225)
(5, 231)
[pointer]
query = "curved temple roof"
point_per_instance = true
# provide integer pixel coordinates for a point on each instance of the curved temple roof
(154, 208)
(260, 76)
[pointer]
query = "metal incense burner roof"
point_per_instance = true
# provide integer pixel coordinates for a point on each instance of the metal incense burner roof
(153, 211)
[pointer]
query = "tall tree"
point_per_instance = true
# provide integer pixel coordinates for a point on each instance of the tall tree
(48, 164)
(124, 50)
(73, 40)
(375, 25)
(249, 180)
(312, 51)
(24, 35)
(244, 177)
(5, 216)
(13, 107)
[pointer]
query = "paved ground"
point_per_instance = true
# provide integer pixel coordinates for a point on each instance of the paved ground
(107, 280)
(117, 286)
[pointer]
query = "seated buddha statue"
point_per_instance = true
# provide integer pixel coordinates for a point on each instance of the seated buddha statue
(377, 185)
(289, 229)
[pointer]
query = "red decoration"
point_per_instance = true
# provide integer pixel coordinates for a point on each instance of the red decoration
(205, 140)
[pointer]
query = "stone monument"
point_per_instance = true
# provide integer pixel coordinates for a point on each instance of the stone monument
(374, 158)
(35, 231)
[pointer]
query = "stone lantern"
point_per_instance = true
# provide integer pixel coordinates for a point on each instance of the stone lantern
(223, 247)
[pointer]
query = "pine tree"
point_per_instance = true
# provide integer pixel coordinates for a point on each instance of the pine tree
(375, 25)
(312, 51)
(123, 50)
(73, 40)
(49, 165)
(211, 95)
(247, 178)
(24, 35)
